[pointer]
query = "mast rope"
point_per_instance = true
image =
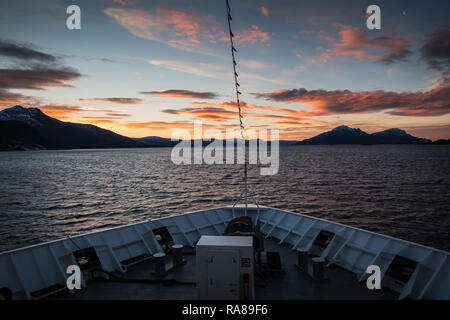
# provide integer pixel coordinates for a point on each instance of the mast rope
(238, 103)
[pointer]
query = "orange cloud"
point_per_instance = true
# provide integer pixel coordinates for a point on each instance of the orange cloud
(179, 29)
(354, 42)
(264, 11)
(61, 112)
(7, 97)
(211, 113)
(245, 37)
(220, 111)
(66, 112)
(213, 117)
(434, 102)
(295, 123)
(249, 106)
(5, 101)
(182, 30)
(173, 125)
(97, 121)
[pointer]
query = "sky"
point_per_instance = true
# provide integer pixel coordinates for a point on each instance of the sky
(146, 68)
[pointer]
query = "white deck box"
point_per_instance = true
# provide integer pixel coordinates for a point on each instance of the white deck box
(225, 268)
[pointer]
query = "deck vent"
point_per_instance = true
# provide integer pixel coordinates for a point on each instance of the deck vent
(87, 258)
(163, 236)
(323, 239)
(401, 269)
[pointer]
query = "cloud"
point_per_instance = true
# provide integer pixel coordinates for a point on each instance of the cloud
(124, 2)
(54, 110)
(249, 106)
(22, 52)
(436, 50)
(176, 93)
(215, 71)
(30, 69)
(172, 125)
(252, 36)
(253, 64)
(67, 113)
(434, 102)
(108, 116)
(189, 31)
(37, 78)
(116, 100)
(211, 113)
(197, 68)
(99, 121)
(118, 115)
(220, 111)
(264, 11)
(294, 123)
(7, 97)
(179, 29)
(106, 60)
(244, 37)
(389, 72)
(354, 42)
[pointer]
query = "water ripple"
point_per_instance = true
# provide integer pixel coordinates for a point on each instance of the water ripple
(401, 191)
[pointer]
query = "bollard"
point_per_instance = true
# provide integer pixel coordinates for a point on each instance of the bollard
(318, 268)
(177, 250)
(302, 258)
(160, 262)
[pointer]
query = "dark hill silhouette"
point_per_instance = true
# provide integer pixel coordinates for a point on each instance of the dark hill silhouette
(340, 135)
(16, 135)
(347, 135)
(441, 141)
(68, 134)
(396, 136)
(154, 141)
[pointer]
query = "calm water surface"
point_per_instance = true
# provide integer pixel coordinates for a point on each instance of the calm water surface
(401, 191)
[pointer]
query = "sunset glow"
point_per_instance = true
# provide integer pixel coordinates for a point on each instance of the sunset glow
(148, 68)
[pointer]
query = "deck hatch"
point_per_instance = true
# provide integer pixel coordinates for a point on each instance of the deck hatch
(87, 258)
(401, 268)
(323, 239)
(162, 235)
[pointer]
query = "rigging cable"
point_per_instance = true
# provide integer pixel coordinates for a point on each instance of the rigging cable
(238, 93)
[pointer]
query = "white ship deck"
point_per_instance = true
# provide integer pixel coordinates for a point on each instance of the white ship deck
(38, 271)
(293, 285)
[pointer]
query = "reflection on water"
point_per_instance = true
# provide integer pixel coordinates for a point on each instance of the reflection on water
(401, 191)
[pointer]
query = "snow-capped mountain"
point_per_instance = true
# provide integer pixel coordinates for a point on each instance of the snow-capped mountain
(30, 116)
(67, 134)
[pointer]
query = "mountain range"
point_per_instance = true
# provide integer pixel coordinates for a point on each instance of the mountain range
(347, 135)
(29, 128)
